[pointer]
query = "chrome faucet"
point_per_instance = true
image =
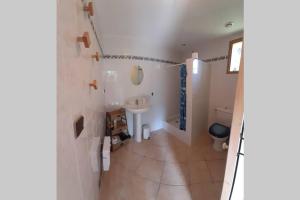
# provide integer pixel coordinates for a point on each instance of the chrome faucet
(137, 102)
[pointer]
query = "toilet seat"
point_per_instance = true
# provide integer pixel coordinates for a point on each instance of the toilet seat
(219, 130)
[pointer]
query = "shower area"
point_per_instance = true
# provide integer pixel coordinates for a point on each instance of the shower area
(193, 87)
(179, 121)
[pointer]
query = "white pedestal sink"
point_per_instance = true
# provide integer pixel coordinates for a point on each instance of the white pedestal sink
(137, 107)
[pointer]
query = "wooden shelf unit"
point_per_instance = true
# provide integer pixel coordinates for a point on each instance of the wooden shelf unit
(116, 124)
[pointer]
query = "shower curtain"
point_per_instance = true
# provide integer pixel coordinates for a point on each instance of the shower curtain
(182, 101)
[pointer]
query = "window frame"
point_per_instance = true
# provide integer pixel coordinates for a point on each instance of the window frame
(231, 43)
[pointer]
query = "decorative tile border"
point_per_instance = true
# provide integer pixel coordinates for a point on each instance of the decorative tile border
(132, 57)
(216, 59)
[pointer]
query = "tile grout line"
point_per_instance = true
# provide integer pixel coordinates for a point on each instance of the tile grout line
(160, 180)
(165, 162)
(156, 195)
(209, 171)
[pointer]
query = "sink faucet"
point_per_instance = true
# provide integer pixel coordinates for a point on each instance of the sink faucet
(137, 102)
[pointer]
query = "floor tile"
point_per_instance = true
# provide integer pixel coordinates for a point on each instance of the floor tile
(176, 155)
(176, 174)
(164, 168)
(176, 143)
(116, 177)
(161, 139)
(217, 169)
(218, 187)
(202, 140)
(156, 152)
(151, 169)
(138, 188)
(204, 191)
(128, 159)
(195, 154)
(167, 192)
(116, 155)
(211, 154)
(199, 172)
(138, 148)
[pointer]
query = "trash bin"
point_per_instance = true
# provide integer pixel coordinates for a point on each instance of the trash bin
(146, 131)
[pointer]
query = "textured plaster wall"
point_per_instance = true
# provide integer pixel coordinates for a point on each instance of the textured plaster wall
(76, 178)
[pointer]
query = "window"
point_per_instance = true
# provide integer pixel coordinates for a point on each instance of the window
(195, 66)
(234, 55)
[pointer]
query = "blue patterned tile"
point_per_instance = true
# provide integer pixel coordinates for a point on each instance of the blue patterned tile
(138, 58)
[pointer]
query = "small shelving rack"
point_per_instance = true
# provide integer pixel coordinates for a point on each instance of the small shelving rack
(116, 128)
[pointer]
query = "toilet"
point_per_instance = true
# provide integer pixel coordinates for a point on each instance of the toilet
(219, 134)
(219, 131)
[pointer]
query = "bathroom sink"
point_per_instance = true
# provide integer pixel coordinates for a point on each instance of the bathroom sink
(137, 106)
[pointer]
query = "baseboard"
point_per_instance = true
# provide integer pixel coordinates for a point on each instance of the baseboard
(180, 134)
(173, 117)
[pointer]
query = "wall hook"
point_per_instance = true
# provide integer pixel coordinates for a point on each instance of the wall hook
(96, 56)
(94, 84)
(85, 38)
(89, 9)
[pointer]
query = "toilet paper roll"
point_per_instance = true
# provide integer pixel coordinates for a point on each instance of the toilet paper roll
(225, 146)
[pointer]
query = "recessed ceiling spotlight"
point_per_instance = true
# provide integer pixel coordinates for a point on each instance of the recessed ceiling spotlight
(228, 24)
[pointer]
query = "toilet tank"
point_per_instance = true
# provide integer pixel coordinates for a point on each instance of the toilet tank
(223, 116)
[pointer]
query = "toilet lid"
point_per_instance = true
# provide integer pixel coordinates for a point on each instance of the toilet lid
(219, 130)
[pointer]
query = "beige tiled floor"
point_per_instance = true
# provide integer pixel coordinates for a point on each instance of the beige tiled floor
(163, 168)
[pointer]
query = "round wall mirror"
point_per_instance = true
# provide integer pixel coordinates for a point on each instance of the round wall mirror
(137, 75)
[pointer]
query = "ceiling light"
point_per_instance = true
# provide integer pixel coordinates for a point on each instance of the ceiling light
(228, 24)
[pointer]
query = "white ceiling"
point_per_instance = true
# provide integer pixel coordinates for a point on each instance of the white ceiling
(166, 23)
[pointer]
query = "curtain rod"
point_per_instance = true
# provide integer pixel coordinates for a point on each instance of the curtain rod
(94, 30)
(96, 36)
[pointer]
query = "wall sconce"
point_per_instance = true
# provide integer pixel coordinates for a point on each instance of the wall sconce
(85, 38)
(89, 9)
(94, 84)
(96, 56)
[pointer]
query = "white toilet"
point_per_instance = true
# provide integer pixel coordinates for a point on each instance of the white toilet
(220, 131)
(220, 134)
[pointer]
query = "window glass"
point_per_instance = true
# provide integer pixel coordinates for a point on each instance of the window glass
(236, 53)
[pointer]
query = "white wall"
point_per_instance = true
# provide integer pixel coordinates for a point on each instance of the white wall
(159, 78)
(200, 95)
(222, 85)
(197, 98)
(197, 95)
(76, 179)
